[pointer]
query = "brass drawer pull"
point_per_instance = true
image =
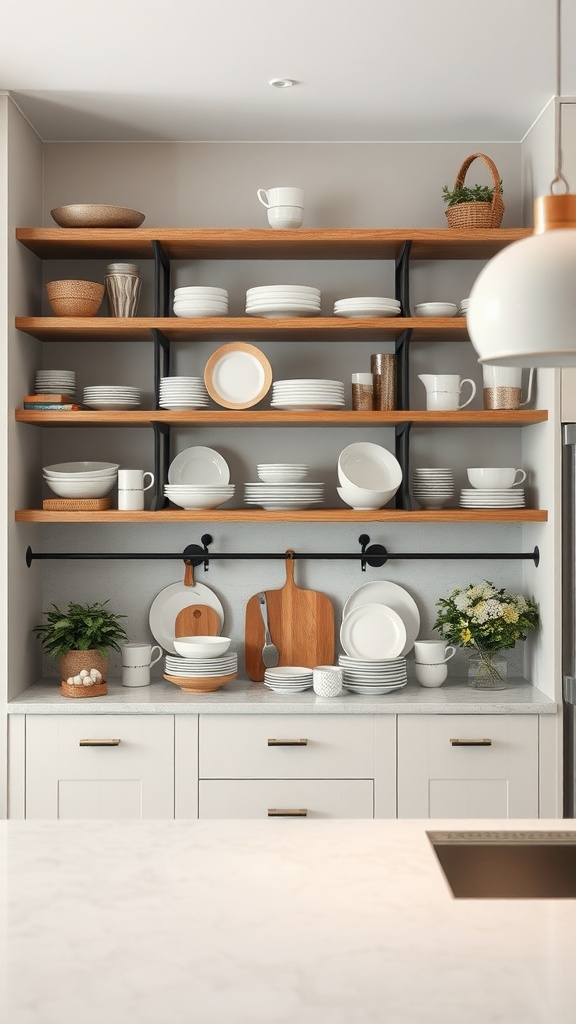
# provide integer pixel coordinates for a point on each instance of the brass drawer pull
(272, 742)
(471, 743)
(289, 812)
(99, 743)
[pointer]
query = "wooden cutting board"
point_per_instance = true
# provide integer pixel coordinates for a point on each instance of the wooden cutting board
(301, 625)
(197, 620)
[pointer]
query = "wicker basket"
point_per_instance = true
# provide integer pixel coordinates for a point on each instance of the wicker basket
(477, 215)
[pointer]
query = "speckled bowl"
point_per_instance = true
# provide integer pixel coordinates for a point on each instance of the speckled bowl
(75, 298)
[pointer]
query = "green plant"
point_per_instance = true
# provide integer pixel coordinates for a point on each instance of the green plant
(465, 194)
(485, 618)
(81, 628)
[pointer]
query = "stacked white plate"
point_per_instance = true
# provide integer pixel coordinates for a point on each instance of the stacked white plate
(373, 632)
(308, 394)
(193, 496)
(282, 472)
(393, 596)
(463, 307)
(284, 496)
(183, 393)
(364, 306)
(433, 488)
(54, 382)
(111, 397)
(288, 679)
(503, 497)
(199, 301)
(373, 677)
(283, 301)
(201, 668)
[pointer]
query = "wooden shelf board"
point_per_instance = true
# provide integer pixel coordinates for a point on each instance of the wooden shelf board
(255, 243)
(327, 515)
(275, 417)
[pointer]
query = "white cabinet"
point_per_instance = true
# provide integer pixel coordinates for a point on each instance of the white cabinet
(324, 765)
(468, 766)
(99, 766)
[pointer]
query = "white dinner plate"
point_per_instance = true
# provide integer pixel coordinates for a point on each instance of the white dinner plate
(199, 465)
(371, 691)
(173, 599)
(373, 631)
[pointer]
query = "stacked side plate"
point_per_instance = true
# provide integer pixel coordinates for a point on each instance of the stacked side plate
(308, 394)
(198, 301)
(393, 596)
(196, 496)
(183, 393)
(202, 667)
(505, 497)
(283, 301)
(373, 632)
(433, 488)
(52, 382)
(364, 306)
(111, 397)
(373, 677)
(288, 679)
(463, 307)
(284, 496)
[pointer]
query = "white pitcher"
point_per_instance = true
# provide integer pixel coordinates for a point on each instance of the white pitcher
(502, 387)
(443, 390)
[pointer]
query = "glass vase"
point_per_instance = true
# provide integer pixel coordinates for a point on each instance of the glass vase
(487, 670)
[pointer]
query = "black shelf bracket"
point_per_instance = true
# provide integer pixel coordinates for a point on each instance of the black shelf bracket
(161, 281)
(161, 361)
(161, 460)
(402, 438)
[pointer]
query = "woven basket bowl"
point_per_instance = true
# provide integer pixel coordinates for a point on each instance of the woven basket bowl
(72, 663)
(75, 298)
(477, 215)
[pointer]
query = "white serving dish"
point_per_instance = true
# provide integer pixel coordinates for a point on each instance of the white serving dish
(202, 646)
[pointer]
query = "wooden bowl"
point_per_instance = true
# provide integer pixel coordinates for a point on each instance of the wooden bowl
(200, 684)
(95, 215)
(75, 298)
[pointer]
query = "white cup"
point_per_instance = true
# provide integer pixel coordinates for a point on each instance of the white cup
(430, 675)
(131, 487)
(137, 660)
(327, 680)
(285, 216)
(281, 197)
(489, 478)
(433, 652)
(449, 400)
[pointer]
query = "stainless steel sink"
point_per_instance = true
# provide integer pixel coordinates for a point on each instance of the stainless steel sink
(508, 865)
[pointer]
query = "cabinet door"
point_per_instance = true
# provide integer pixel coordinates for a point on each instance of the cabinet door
(99, 766)
(286, 798)
(468, 766)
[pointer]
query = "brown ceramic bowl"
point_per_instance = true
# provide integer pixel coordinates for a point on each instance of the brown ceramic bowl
(75, 298)
(95, 215)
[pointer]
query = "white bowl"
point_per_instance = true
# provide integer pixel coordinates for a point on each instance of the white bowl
(198, 501)
(361, 499)
(94, 469)
(369, 466)
(201, 646)
(282, 474)
(81, 488)
(436, 309)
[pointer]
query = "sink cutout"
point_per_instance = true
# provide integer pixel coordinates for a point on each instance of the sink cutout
(504, 865)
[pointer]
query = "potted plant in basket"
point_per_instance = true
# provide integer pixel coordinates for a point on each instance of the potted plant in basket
(479, 206)
(81, 638)
(486, 620)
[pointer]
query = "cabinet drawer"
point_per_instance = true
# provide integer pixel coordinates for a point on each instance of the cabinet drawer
(287, 746)
(273, 798)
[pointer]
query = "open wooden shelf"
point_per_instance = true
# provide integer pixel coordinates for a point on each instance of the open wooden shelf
(323, 515)
(253, 243)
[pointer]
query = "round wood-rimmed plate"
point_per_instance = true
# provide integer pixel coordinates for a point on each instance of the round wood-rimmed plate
(200, 684)
(238, 375)
(95, 215)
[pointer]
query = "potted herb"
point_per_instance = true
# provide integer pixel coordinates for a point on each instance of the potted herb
(476, 206)
(81, 638)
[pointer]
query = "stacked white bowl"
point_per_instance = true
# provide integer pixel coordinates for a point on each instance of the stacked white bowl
(198, 496)
(443, 309)
(364, 306)
(199, 301)
(282, 472)
(433, 488)
(283, 301)
(369, 475)
(183, 393)
(81, 479)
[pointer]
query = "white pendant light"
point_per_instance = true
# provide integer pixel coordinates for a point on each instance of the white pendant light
(522, 309)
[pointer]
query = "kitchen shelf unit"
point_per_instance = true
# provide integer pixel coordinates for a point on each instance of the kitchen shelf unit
(400, 245)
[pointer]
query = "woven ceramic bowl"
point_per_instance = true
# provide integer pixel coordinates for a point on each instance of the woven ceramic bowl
(75, 298)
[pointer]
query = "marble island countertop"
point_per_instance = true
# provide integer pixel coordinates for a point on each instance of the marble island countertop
(275, 922)
(244, 697)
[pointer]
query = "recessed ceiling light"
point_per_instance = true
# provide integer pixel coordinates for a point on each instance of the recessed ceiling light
(281, 83)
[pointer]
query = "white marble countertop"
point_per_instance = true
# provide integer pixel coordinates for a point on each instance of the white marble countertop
(243, 697)
(275, 922)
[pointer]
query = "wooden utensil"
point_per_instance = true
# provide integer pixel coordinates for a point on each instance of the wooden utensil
(301, 626)
(197, 620)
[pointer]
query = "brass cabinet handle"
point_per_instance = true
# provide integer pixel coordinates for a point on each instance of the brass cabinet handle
(288, 812)
(273, 742)
(471, 743)
(99, 743)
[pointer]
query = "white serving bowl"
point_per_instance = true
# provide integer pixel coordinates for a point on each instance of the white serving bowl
(201, 646)
(81, 488)
(360, 498)
(436, 309)
(84, 469)
(369, 466)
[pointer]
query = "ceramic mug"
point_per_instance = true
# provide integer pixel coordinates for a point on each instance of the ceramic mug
(281, 197)
(131, 487)
(502, 387)
(433, 652)
(137, 660)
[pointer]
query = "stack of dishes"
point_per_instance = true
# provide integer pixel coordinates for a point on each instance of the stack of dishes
(288, 679)
(55, 382)
(433, 488)
(282, 472)
(196, 302)
(364, 306)
(443, 309)
(373, 677)
(201, 675)
(282, 301)
(463, 307)
(199, 465)
(388, 595)
(497, 497)
(183, 393)
(81, 479)
(198, 496)
(373, 632)
(307, 394)
(281, 497)
(111, 396)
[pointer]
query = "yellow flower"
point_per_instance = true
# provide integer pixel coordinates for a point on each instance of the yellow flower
(509, 614)
(465, 635)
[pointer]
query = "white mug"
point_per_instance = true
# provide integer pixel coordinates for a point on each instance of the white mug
(430, 675)
(137, 660)
(489, 478)
(131, 487)
(327, 680)
(433, 652)
(503, 387)
(285, 216)
(281, 197)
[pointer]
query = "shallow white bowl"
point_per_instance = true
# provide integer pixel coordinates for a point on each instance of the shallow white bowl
(201, 646)
(81, 488)
(369, 466)
(360, 498)
(284, 474)
(436, 309)
(95, 469)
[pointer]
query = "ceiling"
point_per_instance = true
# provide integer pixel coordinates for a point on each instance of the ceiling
(365, 70)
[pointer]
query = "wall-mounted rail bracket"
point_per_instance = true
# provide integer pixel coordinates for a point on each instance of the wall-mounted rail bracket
(375, 555)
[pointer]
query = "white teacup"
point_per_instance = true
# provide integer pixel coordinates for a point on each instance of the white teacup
(433, 652)
(137, 660)
(285, 216)
(281, 197)
(430, 675)
(490, 478)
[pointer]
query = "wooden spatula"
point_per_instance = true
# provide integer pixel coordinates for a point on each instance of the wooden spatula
(197, 620)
